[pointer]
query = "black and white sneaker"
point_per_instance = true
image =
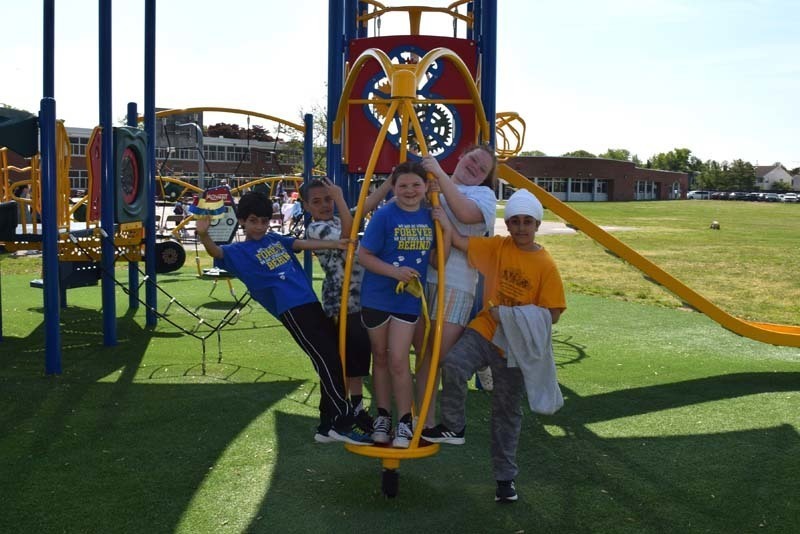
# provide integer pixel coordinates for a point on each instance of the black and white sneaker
(442, 434)
(506, 492)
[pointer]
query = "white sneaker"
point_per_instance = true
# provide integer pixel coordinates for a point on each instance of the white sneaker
(402, 435)
(485, 377)
(381, 429)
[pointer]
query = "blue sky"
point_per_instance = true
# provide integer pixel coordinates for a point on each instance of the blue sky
(719, 77)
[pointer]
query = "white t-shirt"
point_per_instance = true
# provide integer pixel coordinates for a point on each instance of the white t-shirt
(458, 273)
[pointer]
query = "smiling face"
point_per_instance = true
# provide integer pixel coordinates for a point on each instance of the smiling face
(522, 229)
(473, 167)
(409, 189)
(320, 204)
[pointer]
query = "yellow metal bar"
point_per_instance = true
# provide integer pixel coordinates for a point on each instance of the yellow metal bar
(168, 112)
(440, 264)
(362, 197)
(774, 334)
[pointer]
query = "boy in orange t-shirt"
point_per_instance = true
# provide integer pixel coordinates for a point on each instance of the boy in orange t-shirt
(518, 272)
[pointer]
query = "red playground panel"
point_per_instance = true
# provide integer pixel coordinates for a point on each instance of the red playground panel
(449, 128)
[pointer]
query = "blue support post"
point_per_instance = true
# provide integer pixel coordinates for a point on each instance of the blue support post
(133, 267)
(108, 187)
(151, 292)
(335, 81)
(488, 50)
(47, 126)
(308, 164)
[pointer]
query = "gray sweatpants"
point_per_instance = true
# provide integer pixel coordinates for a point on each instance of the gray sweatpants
(470, 353)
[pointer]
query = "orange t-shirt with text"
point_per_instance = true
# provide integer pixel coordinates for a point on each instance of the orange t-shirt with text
(513, 277)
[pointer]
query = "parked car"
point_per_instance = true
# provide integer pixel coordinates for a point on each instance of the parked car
(771, 197)
(700, 195)
(719, 195)
(790, 197)
(737, 195)
(752, 197)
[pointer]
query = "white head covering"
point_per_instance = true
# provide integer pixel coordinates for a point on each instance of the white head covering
(523, 202)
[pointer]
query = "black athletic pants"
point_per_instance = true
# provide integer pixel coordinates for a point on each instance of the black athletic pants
(317, 336)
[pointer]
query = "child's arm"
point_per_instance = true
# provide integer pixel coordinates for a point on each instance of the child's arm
(465, 210)
(374, 264)
(341, 205)
(202, 225)
(376, 196)
(319, 244)
(459, 241)
(555, 313)
(447, 231)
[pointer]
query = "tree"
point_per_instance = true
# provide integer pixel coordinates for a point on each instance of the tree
(578, 154)
(620, 154)
(532, 153)
(741, 176)
(223, 129)
(713, 177)
(781, 186)
(677, 160)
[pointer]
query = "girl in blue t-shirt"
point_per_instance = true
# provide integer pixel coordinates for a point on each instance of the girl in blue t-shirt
(397, 246)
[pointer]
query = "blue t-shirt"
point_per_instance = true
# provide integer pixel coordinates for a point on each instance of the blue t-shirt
(402, 238)
(271, 272)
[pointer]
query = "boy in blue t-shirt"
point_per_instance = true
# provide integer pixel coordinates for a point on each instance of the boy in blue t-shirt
(266, 263)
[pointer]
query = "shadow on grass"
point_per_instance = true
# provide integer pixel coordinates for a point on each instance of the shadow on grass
(111, 445)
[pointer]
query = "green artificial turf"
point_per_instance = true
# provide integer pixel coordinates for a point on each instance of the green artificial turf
(671, 424)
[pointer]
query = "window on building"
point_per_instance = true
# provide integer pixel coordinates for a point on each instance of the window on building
(581, 185)
(78, 145)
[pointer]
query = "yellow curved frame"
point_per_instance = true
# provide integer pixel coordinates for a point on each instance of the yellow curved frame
(506, 128)
(168, 112)
(774, 334)
(404, 80)
(415, 13)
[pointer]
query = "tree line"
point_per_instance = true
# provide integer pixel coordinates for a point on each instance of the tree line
(738, 175)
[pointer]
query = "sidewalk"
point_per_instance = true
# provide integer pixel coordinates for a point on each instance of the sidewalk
(554, 228)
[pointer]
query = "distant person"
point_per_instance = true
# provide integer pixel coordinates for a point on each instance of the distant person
(287, 209)
(267, 265)
(523, 292)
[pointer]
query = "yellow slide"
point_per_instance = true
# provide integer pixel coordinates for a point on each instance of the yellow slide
(774, 334)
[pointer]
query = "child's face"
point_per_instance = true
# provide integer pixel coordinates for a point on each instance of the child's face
(409, 190)
(254, 226)
(473, 167)
(522, 229)
(320, 204)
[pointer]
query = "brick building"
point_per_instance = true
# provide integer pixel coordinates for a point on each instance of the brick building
(595, 179)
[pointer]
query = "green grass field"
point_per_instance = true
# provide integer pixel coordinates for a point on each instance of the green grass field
(671, 424)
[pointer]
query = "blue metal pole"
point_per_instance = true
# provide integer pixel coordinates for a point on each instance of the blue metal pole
(48, 49)
(488, 48)
(47, 125)
(335, 81)
(151, 294)
(133, 267)
(475, 17)
(108, 193)
(308, 164)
